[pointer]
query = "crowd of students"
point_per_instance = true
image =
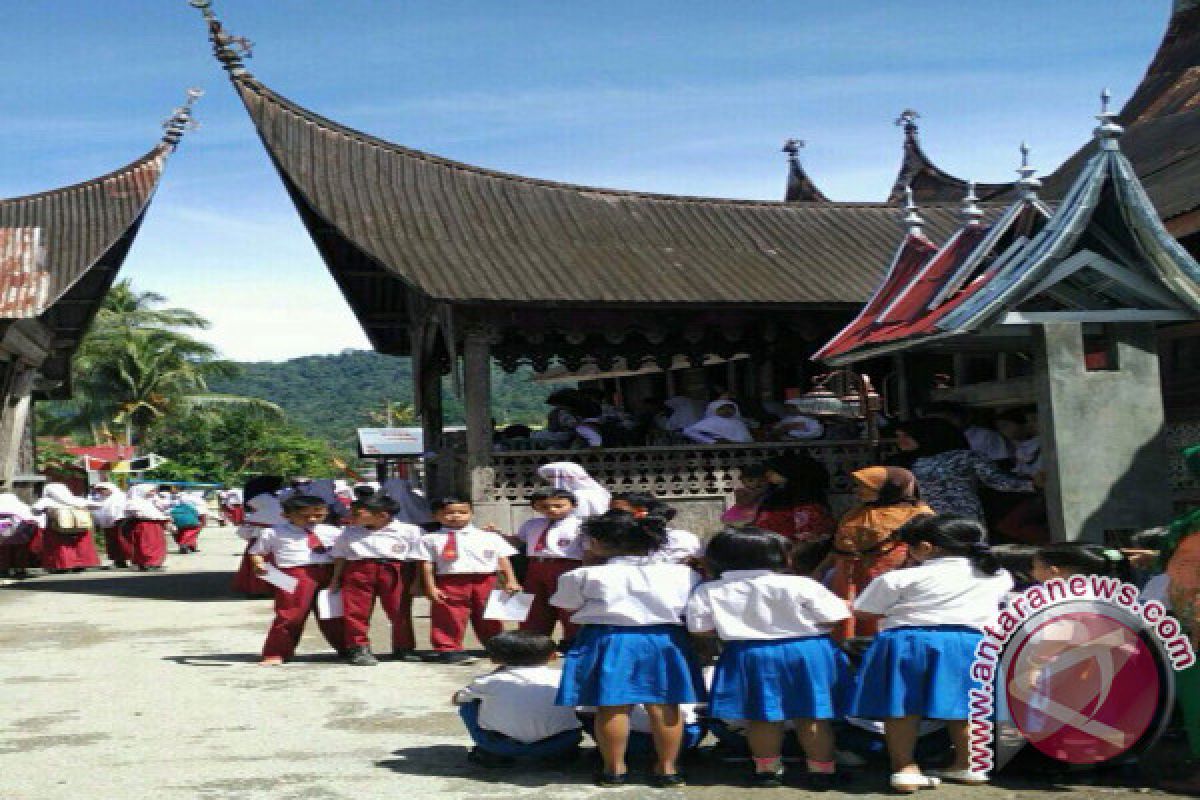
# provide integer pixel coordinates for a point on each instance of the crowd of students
(812, 626)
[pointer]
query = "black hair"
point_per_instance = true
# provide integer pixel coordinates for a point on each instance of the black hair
(520, 649)
(1152, 539)
(261, 484)
(753, 471)
(299, 502)
(807, 481)
(363, 491)
(449, 500)
(933, 435)
(661, 508)
(548, 494)
(1088, 559)
(377, 503)
(636, 499)
(624, 534)
(1018, 560)
(953, 534)
(747, 548)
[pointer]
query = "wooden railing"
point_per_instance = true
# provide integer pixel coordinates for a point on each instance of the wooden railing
(687, 471)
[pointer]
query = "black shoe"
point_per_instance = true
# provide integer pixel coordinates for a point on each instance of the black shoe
(183, 551)
(672, 781)
(408, 656)
(454, 657)
(821, 781)
(120, 564)
(767, 780)
(482, 758)
(610, 779)
(79, 569)
(362, 657)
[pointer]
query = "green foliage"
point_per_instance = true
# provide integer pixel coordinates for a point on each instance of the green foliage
(330, 396)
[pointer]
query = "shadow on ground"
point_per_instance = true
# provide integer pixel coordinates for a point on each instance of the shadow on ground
(192, 587)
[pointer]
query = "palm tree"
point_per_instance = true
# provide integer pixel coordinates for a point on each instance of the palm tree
(138, 364)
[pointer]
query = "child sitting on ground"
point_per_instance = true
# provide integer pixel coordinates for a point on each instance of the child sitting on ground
(459, 575)
(554, 545)
(375, 557)
(300, 548)
(510, 712)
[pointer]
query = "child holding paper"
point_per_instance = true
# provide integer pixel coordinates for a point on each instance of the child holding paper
(459, 574)
(373, 558)
(554, 545)
(300, 551)
(510, 712)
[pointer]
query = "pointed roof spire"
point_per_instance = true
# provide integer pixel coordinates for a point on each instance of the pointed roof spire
(912, 218)
(181, 120)
(928, 182)
(1108, 131)
(800, 187)
(971, 212)
(1028, 183)
(229, 49)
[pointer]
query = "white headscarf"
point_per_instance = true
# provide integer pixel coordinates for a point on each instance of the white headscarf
(196, 500)
(590, 497)
(140, 503)
(57, 494)
(108, 511)
(11, 505)
(414, 508)
(683, 413)
(264, 509)
(714, 427)
(804, 426)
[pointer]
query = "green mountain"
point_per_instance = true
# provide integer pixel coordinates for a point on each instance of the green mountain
(330, 396)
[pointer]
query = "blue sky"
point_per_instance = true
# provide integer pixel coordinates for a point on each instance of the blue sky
(688, 97)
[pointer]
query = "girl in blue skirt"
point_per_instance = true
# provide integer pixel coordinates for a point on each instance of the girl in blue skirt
(632, 647)
(918, 667)
(778, 662)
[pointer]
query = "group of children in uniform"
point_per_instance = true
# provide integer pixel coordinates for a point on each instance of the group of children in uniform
(638, 602)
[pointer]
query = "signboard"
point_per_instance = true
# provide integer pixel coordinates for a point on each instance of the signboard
(390, 442)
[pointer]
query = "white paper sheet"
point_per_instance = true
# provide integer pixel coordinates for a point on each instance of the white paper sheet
(508, 607)
(329, 605)
(275, 577)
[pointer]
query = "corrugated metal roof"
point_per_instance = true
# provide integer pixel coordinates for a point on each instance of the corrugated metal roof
(462, 233)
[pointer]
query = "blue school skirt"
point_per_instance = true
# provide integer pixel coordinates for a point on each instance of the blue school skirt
(920, 671)
(617, 665)
(777, 679)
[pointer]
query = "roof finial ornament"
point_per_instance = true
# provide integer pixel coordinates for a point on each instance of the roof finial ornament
(181, 119)
(908, 120)
(229, 49)
(971, 212)
(1108, 131)
(1028, 183)
(793, 147)
(912, 218)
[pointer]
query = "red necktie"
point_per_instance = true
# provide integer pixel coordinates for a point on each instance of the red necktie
(540, 545)
(450, 550)
(314, 542)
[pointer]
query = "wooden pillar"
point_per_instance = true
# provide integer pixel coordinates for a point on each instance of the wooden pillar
(903, 403)
(439, 467)
(477, 396)
(14, 416)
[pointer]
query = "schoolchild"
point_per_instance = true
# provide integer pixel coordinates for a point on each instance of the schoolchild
(108, 508)
(263, 510)
(930, 618)
(188, 525)
(553, 544)
(375, 557)
(459, 575)
(633, 647)
(681, 547)
(1065, 560)
(65, 550)
(510, 712)
(778, 662)
(300, 548)
(145, 526)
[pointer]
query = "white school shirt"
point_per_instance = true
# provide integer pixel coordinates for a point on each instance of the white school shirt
(519, 703)
(564, 538)
(628, 590)
(942, 591)
(479, 551)
(759, 604)
(396, 540)
(681, 545)
(287, 544)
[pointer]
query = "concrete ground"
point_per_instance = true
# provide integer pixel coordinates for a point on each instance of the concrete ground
(125, 685)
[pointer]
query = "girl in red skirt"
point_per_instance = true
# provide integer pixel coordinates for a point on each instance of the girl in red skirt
(146, 527)
(108, 509)
(17, 528)
(264, 511)
(64, 551)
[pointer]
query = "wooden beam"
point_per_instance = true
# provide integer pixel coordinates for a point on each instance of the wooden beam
(17, 402)
(477, 396)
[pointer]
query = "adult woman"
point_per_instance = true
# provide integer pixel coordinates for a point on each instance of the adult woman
(64, 551)
(947, 470)
(865, 546)
(795, 504)
(108, 508)
(146, 527)
(722, 423)
(591, 498)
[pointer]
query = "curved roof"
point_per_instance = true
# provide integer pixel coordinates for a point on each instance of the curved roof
(929, 183)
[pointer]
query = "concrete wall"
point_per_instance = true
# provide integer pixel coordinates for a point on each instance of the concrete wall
(1101, 434)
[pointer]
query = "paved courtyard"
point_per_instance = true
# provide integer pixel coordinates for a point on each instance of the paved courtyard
(126, 685)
